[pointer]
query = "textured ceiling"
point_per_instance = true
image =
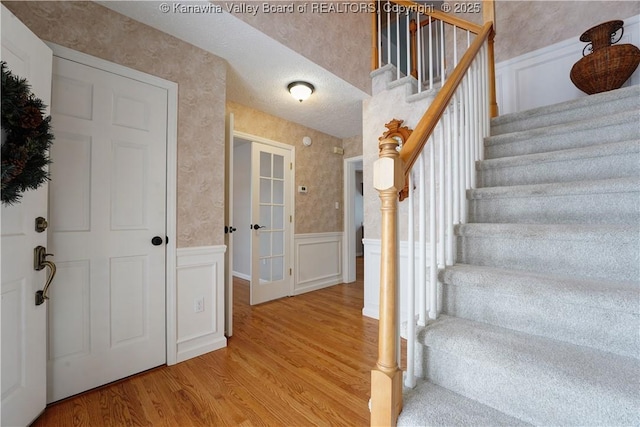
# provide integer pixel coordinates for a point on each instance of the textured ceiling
(259, 67)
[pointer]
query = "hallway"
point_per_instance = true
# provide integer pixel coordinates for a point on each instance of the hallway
(297, 361)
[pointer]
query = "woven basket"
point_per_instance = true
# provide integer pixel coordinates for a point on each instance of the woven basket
(605, 69)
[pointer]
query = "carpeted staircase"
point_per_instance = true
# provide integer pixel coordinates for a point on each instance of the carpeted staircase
(541, 313)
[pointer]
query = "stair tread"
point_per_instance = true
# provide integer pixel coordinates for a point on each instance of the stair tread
(582, 102)
(536, 357)
(534, 339)
(565, 128)
(583, 232)
(431, 405)
(601, 150)
(611, 295)
(611, 185)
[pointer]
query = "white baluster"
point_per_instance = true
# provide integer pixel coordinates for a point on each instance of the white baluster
(441, 193)
(410, 380)
(419, 55)
(422, 239)
(456, 158)
(408, 22)
(388, 38)
(449, 186)
(442, 76)
(430, 53)
(433, 236)
(397, 45)
(455, 45)
(379, 46)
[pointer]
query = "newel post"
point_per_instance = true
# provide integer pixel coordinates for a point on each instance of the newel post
(386, 377)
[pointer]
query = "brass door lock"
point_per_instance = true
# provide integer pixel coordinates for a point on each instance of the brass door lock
(39, 262)
(41, 224)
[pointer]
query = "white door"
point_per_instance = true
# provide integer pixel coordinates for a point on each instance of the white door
(23, 323)
(271, 171)
(107, 228)
(229, 228)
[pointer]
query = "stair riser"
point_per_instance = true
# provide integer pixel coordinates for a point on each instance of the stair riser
(542, 143)
(608, 208)
(609, 258)
(594, 168)
(540, 399)
(612, 106)
(590, 326)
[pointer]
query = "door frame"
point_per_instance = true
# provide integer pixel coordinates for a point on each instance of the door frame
(348, 246)
(171, 170)
(292, 151)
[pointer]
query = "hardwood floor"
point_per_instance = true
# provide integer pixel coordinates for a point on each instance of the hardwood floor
(298, 361)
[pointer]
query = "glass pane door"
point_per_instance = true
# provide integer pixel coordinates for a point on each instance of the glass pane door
(271, 208)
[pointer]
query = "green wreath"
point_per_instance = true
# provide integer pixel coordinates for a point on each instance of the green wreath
(26, 139)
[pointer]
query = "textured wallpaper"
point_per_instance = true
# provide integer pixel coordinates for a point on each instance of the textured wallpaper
(352, 146)
(336, 36)
(316, 167)
(95, 30)
(526, 25)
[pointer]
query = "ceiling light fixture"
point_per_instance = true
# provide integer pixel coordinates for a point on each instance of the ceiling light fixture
(300, 90)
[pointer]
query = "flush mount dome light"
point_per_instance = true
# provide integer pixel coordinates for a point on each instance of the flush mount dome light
(300, 90)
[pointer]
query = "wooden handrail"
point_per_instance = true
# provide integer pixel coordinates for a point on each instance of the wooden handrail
(418, 139)
(390, 174)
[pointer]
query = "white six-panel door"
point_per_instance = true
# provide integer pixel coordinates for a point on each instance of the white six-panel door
(23, 355)
(107, 202)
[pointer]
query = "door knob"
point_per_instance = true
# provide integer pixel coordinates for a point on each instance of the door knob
(41, 224)
(257, 227)
(228, 229)
(156, 241)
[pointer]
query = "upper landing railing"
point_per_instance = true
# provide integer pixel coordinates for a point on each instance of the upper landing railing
(433, 169)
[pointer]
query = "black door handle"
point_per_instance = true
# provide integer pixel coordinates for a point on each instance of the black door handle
(228, 229)
(156, 241)
(257, 227)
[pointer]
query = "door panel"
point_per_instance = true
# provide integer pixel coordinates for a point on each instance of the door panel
(23, 357)
(271, 204)
(230, 228)
(108, 198)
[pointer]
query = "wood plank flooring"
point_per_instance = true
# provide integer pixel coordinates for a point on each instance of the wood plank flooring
(300, 361)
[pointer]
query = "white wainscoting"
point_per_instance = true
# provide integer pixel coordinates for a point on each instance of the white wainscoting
(541, 77)
(318, 261)
(200, 275)
(372, 277)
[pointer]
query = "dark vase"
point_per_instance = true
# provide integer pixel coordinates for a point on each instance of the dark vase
(608, 66)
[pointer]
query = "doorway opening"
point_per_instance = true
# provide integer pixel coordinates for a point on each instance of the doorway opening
(262, 216)
(353, 217)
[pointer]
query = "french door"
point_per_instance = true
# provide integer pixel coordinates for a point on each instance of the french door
(271, 226)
